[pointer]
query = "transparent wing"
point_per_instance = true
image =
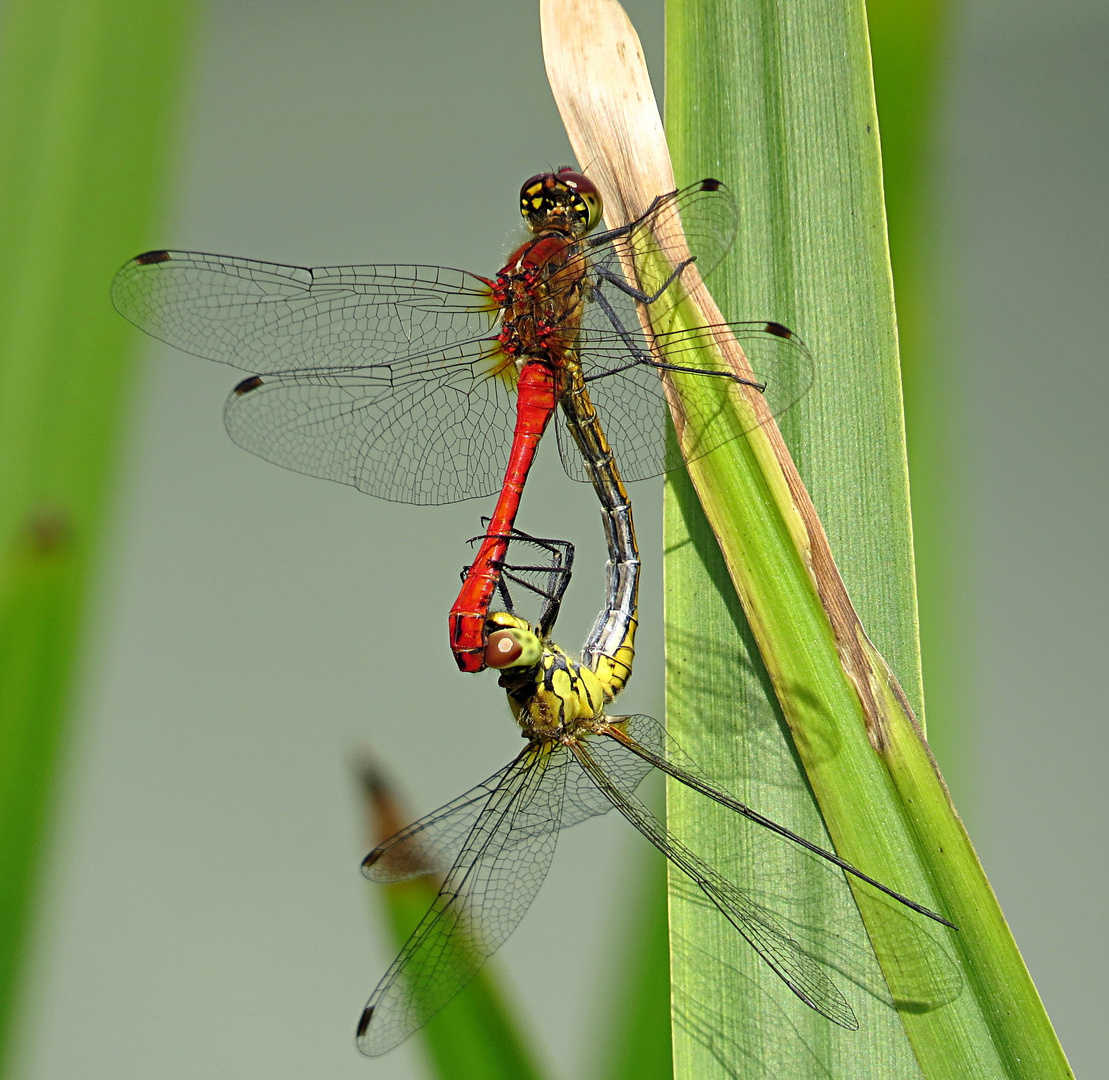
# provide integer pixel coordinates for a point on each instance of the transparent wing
(489, 888)
(437, 436)
(627, 387)
(388, 377)
(759, 927)
(431, 845)
(583, 798)
(621, 366)
(651, 737)
(647, 739)
(265, 318)
(381, 377)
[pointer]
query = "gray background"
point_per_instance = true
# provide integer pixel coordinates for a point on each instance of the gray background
(203, 912)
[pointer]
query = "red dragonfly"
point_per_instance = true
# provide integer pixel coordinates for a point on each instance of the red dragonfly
(428, 385)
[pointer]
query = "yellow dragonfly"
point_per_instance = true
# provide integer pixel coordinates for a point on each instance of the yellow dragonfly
(494, 843)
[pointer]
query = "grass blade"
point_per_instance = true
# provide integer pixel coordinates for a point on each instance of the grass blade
(639, 1043)
(778, 97)
(87, 97)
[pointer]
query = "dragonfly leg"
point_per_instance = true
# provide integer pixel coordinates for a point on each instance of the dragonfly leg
(639, 357)
(663, 366)
(602, 302)
(554, 574)
(637, 294)
(560, 549)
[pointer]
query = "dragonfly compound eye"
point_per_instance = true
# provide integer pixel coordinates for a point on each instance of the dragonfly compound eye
(565, 201)
(512, 648)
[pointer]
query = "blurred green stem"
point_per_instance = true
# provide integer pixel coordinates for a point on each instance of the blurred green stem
(88, 94)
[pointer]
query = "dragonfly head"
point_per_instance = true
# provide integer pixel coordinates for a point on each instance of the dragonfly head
(564, 202)
(550, 694)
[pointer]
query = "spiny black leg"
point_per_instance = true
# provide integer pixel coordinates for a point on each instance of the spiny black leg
(622, 331)
(640, 360)
(558, 572)
(637, 294)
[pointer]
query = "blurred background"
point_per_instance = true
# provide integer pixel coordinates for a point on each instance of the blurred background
(201, 911)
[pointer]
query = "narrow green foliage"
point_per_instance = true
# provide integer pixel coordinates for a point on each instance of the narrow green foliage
(638, 1025)
(86, 100)
(732, 1015)
(776, 99)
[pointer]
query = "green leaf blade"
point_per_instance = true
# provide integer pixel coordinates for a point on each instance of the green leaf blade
(776, 99)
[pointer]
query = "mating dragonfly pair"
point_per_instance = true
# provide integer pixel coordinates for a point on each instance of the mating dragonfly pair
(494, 843)
(428, 385)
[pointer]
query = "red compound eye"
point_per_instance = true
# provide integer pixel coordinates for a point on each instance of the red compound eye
(578, 181)
(502, 649)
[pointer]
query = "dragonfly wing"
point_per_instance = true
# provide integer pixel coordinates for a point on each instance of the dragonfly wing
(759, 927)
(698, 221)
(432, 844)
(382, 377)
(583, 799)
(485, 895)
(264, 317)
(646, 737)
(629, 389)
(655, 739)
(427, 439)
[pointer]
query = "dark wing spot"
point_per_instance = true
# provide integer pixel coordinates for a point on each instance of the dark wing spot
(364, 1022)
(778, 330)
(148, 258)
(247, 385)
(709, 184)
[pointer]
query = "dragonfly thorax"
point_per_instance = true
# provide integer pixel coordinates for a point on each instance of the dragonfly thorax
(540, 293)
(550, 698)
